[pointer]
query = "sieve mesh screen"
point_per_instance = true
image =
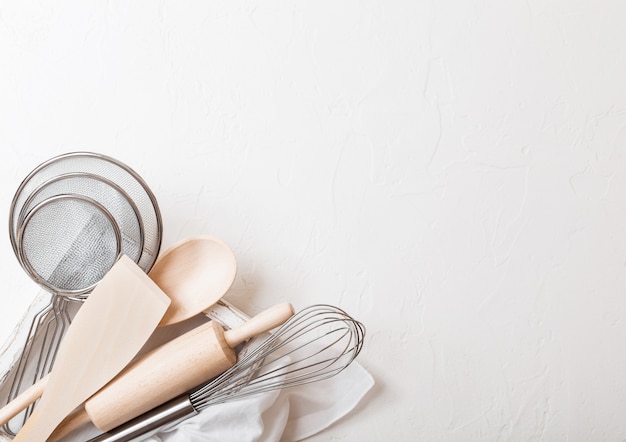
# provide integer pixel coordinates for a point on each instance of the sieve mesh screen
(114, 199)
(114, 171)
(69, 243)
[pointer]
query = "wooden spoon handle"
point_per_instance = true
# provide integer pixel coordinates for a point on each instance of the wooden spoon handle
(22, 401)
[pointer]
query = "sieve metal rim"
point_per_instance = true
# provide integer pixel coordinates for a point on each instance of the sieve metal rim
(22, 214)
(96, 156)
(76, 294)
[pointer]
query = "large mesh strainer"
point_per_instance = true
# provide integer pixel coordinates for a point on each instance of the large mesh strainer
(112, 197)
(101, 208)
(97, 165)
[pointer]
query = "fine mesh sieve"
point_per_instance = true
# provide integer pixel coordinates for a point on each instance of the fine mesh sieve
(114, 199)
(111, 169)
(67, 243)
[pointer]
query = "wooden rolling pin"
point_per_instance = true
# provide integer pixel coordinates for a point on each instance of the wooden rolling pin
(168, 371)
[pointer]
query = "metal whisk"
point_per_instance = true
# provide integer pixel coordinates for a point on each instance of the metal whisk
(315, 344)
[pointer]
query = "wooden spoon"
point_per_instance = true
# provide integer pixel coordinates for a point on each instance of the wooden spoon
(103, 338)
(195, 273)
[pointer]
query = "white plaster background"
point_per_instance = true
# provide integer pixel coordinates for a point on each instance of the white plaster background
(452, 173)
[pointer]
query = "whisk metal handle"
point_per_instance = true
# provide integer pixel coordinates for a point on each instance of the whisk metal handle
(170, 413)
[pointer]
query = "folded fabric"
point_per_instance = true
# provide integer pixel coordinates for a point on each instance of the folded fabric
(291, 414)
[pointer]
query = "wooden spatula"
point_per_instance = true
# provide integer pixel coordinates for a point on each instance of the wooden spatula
(108, 331)
(194, 273)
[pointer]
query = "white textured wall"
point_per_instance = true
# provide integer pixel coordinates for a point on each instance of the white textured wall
(452, 173)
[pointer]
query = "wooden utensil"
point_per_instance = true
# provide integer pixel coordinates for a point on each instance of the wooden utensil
(195, 273)
(110, 328)
(168, 371)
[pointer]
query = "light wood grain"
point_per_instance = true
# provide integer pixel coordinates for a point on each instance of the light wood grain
(195, 273)
(107, 332)
(170, 370)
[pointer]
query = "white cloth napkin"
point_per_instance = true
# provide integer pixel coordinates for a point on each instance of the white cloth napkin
(287, 415)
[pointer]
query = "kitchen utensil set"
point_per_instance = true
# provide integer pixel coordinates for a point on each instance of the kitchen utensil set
(87, 229)
(108, 331)
(69, 221)
(202, 266)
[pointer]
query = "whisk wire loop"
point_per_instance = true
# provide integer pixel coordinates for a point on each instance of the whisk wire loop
(315, 344)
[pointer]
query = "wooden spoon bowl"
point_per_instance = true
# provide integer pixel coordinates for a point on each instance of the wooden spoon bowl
(195, 273)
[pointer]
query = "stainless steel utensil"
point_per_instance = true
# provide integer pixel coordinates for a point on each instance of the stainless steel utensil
(315, 344)
(104, 191)
(102, 166)
(67, 243)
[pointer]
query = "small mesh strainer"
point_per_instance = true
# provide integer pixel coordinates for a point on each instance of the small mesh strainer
(68, 242)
